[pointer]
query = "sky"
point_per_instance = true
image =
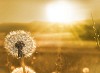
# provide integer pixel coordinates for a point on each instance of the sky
(35, 10)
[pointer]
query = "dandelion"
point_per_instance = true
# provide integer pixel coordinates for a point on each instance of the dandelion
(20, 43)
(20, 70)
(86, 70)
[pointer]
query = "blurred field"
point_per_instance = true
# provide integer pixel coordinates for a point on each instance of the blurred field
(78, 50)
(75, 54)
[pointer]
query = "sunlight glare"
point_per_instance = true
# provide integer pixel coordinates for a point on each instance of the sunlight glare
(62, 12)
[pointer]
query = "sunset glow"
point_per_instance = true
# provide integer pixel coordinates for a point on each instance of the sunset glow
(63, 12)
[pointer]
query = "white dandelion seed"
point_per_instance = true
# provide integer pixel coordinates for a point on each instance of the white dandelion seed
(20, 43)
(86, 70)
(20, 70)
(56, 72)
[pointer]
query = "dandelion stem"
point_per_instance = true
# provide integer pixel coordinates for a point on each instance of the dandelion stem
(23, 64)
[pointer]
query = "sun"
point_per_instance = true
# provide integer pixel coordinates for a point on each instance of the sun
(62, 12)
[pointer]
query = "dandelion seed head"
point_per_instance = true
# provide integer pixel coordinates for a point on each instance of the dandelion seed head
(15, 36)
(85, 70)
(20, 70)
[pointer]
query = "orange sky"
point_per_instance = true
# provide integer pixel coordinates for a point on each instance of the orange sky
(30, 10)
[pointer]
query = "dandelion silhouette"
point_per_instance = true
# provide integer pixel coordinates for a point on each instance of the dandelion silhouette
(20, 44)
(20, 70)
